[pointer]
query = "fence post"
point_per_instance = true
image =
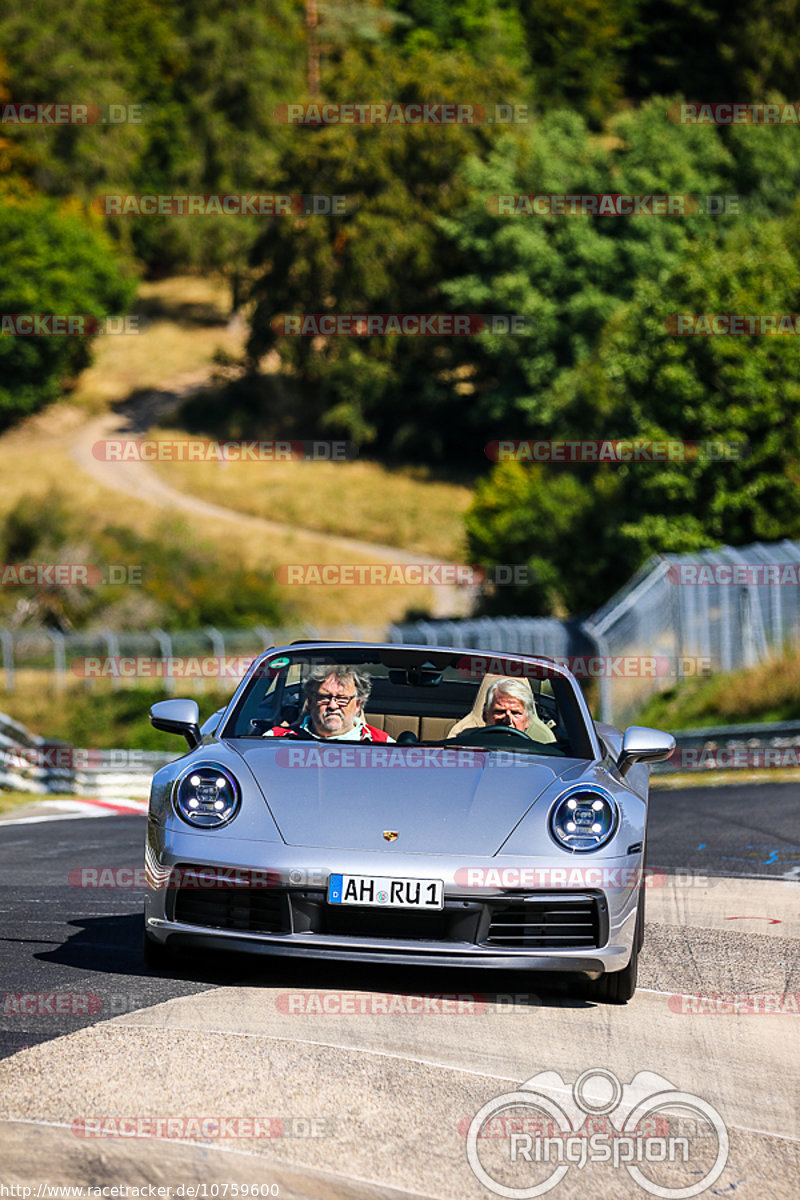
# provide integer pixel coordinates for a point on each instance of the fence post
(59, 655)
(112, 649)
(265, 635)
(7, 639)
(165, 646)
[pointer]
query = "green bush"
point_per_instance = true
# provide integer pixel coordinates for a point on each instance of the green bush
(53, 263)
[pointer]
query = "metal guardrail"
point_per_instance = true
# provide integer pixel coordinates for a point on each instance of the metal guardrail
(734, 747)
(41, 766)
(29, 763)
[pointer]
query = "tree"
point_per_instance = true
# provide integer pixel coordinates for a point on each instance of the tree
(54, 264)
(582, 529)
(385, 254)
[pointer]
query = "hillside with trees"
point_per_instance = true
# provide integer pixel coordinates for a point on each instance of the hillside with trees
(201, 87)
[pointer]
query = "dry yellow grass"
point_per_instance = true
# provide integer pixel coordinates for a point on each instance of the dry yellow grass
(769, 691)
(187, 321)
(355, 499)
(32, 463)
(359, 499)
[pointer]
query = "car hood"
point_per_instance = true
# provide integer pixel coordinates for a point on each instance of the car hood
(466, 809)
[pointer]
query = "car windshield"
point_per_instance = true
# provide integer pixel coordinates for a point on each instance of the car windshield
(422, 697)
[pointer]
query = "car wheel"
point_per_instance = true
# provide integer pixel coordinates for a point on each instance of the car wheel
(618, 987)
(156, 956)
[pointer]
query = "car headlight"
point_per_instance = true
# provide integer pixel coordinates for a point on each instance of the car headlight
(584, 818)
(207, 796)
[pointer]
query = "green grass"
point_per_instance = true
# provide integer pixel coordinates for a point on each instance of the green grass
(767, 692)
(101, 719)
(9, 801)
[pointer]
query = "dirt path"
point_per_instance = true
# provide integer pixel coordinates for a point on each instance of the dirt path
(138, 479)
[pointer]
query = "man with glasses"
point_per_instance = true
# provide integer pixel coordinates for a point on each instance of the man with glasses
(334, 708)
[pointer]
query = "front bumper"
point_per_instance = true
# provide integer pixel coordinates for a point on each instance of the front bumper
(587, 931)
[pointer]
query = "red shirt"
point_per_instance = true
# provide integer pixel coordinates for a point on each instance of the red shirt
(368, 733)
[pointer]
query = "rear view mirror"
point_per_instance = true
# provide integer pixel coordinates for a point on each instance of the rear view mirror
(641, 744)
(178, 716)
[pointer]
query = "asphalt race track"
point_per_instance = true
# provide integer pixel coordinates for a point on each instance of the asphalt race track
(279, 1077)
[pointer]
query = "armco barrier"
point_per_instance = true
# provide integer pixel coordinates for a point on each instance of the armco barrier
(40, 766)
(734, 747)
(32, 764)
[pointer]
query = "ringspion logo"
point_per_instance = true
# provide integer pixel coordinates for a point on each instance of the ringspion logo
(513, 1153)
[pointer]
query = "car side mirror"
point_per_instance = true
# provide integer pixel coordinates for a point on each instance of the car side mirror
(178, 716)
(641, 744)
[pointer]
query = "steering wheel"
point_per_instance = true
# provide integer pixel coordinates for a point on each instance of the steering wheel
(490, 734)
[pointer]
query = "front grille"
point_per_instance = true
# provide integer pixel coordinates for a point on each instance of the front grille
(378, 923)
(243, 909)
(547, 923)
(458, 921)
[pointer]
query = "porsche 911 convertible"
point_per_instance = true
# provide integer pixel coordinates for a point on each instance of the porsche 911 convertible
(404, 804)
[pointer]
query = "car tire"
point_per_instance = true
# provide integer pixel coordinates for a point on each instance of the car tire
(618, 987)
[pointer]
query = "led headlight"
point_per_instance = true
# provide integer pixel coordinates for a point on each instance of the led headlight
(584, 818)
(207, 796)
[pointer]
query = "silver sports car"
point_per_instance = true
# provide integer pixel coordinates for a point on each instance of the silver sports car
(404, 804)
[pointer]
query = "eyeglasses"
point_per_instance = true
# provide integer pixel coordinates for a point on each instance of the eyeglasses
(339, 701)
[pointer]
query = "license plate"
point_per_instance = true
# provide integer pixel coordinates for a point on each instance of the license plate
(383, 891)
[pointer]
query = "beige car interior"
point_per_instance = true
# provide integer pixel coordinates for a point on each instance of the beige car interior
(434, 729)
(474, 719)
